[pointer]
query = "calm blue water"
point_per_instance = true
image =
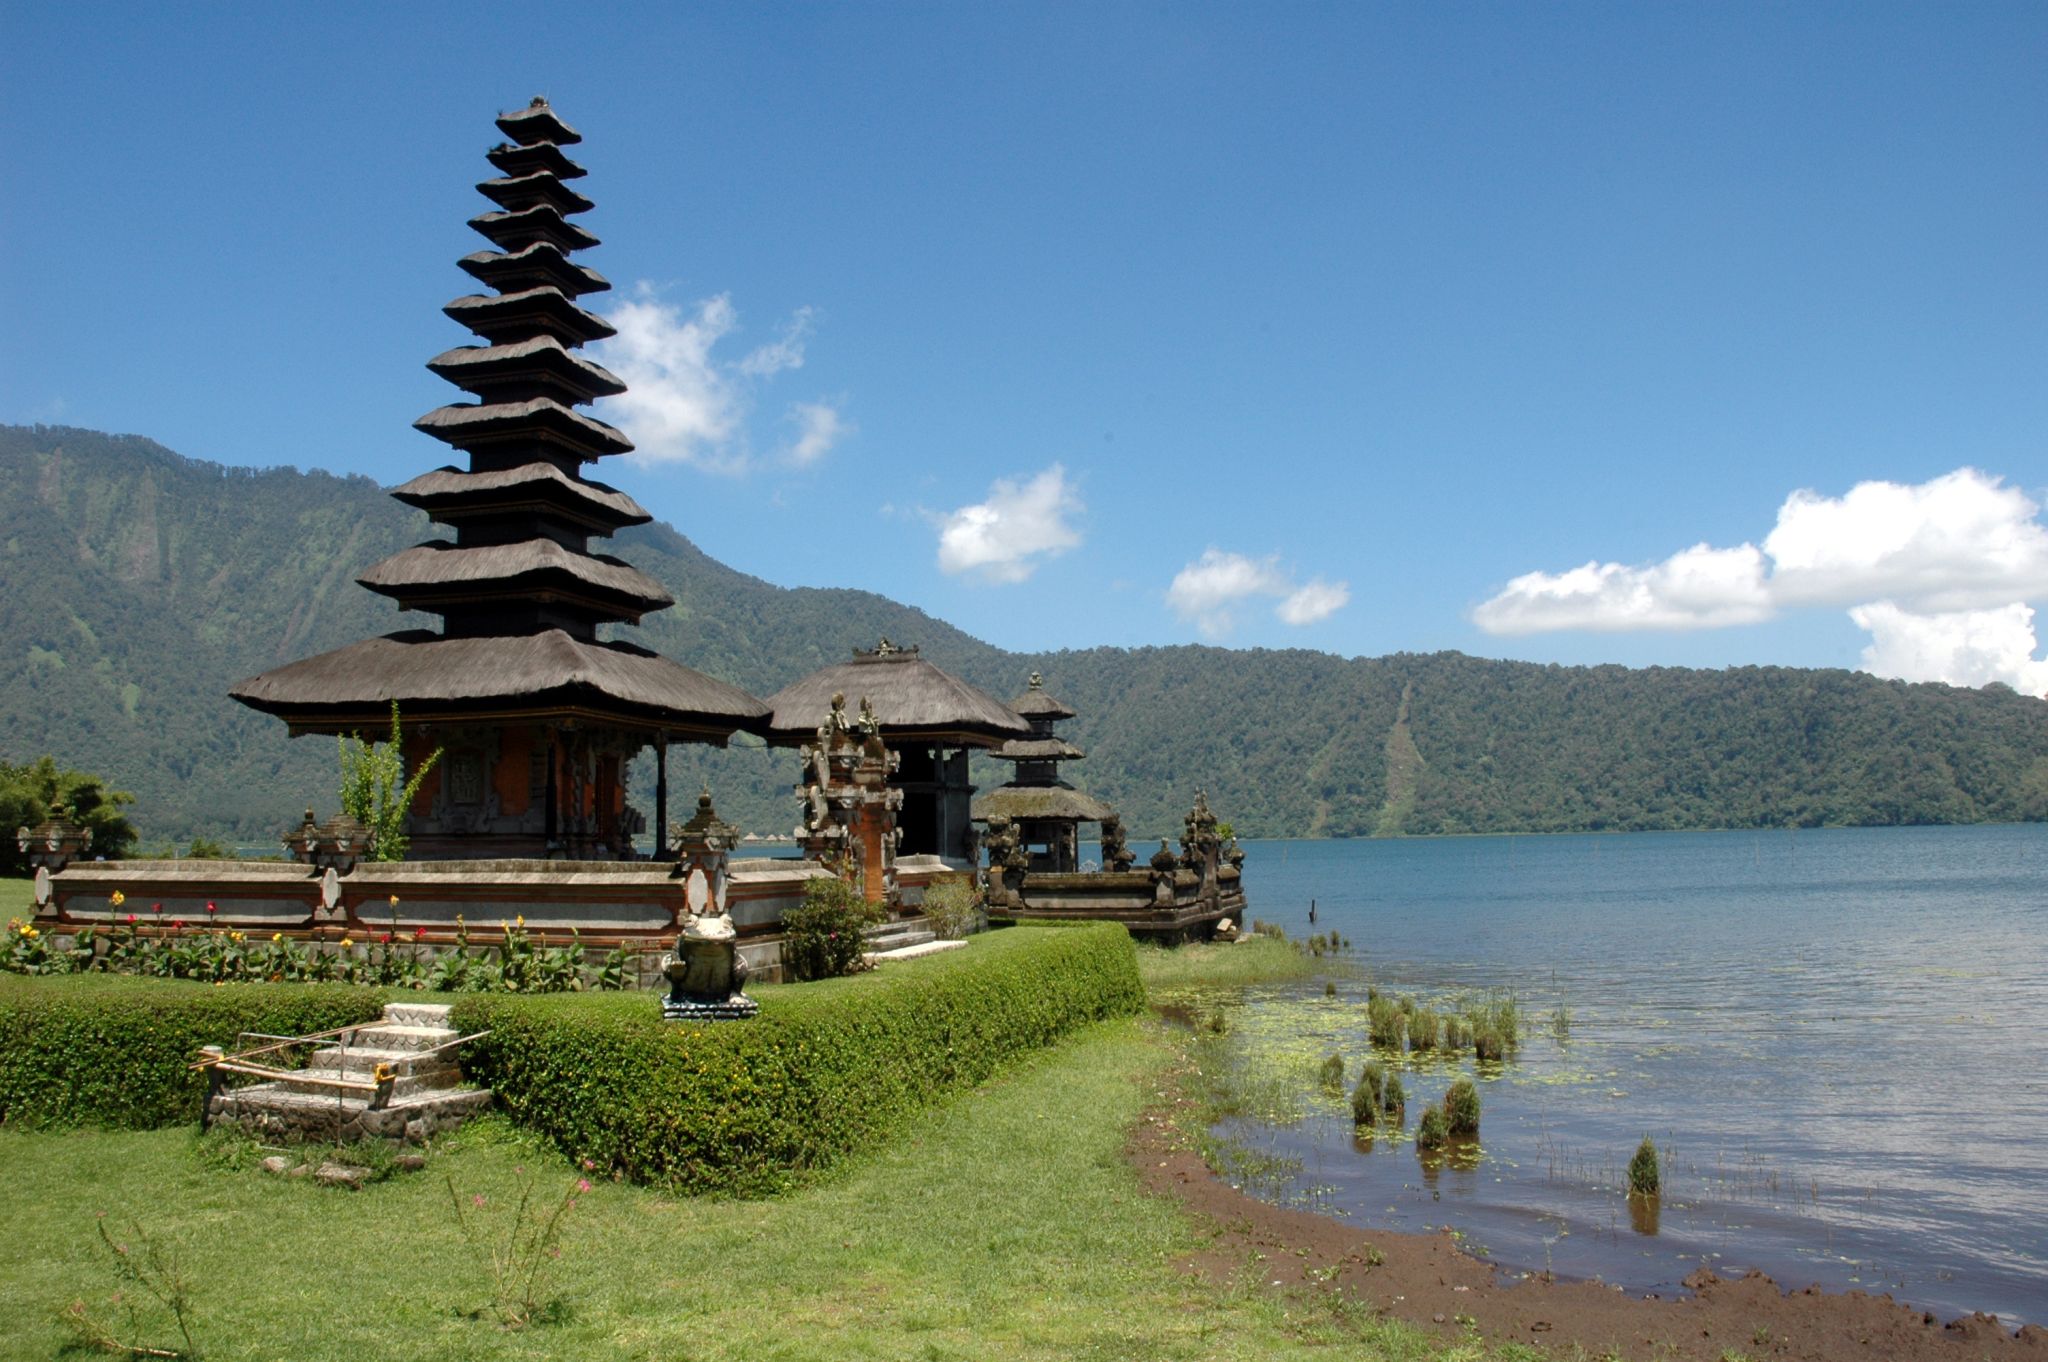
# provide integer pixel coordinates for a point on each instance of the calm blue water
(1839, 1038)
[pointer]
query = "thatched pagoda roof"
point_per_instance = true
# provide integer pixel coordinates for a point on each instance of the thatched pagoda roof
(914, 700)
(514, 159)
(514, 192)
(1039, 749)
(532, 266)
(542, 676)
(538, 123)
(449, 493)
(1034, 703)
(1047, 803)
(538, 362)
(468, 425)
(437, 570)
(542, 222)
(541, 310)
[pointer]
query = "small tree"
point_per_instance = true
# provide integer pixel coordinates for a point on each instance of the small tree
(35, 791)
(822, 935)
(375, 791)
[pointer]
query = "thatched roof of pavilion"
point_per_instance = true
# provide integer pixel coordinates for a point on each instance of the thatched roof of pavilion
(440, 564)
(913, 699)
(544, 675)
(1046, 803)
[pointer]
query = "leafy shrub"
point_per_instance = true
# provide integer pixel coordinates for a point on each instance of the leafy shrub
(822, 935)
(1644, 1178)
(1365, 1098)
(953, 905)
(754, 1107)
(1461, 1108)
(113, 1051)
(1332, 1072)
(1433, 1129)
(375, 791)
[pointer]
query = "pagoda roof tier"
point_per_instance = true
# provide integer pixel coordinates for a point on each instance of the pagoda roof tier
(538, 123)
(1034, 703)
(537, 263)
(452, 494)
(1040, 803)
(513, 159)
(514, 192)
(914, 700)
(438, 575)
(531, 311)
(544, 676)
(1038, 749)
(540, 421)
(542, 362)
(539, 223)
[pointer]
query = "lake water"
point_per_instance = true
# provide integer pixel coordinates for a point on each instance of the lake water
(1838, 1038)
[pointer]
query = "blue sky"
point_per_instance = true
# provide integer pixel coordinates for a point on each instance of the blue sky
(1346, 327)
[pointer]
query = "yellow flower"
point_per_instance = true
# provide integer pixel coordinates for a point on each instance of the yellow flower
(346, 943)
(119, 898)
(277, 936)
(520, 920)
(394, 900)
(30, 932)
(234, 936)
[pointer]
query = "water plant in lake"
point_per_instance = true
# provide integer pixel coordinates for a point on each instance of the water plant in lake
(1394, 1101)
(1423, 1029)
(1365, 1098)
(1643, 1176)
(1333, 1071)
(1461, 1108)
(1457, 1033)
(1432, 1130)
(1498, 1013)
(1561, 1022)
(1386, 1024)
(1487, 1044)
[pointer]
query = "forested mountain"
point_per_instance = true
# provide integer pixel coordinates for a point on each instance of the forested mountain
(139, 585)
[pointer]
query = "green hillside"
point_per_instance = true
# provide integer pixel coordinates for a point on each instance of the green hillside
(141, 584)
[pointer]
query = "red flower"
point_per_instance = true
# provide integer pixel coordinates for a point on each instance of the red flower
(419, 933)
(131, 919)
(383, 938)
(156, 907)
(210, 908)
(177, 924)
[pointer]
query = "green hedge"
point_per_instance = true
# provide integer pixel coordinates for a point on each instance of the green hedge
(752, 1107)
(112, 1050)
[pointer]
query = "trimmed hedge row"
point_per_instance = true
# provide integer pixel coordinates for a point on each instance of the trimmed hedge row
(753, 1107)
(112, 1050)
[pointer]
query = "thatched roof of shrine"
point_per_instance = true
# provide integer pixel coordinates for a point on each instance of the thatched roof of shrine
(913, 699)
(539, 676)
(1046, 803)
(449, 491)
(1034, 703)
(1039, 749)
(527, 564)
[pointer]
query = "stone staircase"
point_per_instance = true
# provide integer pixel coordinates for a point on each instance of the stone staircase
(394, 1079)
(903, 939)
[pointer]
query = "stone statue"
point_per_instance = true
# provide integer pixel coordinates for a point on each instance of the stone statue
(707, 975)
(1117, 855)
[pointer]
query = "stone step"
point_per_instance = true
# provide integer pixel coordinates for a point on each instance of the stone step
(931, 945)
(387, 1037)
(274, 1109)
(364, 1059)
(417, 1014)
(403, 1085)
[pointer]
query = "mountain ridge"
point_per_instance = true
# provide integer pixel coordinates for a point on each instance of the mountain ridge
(141, 583)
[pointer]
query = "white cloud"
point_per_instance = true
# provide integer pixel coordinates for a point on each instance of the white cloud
(685, 403)
(1318, 600)
(1210, 591)
(819, 427)
(1961, 647)
(1005, 537)
(1938, 573)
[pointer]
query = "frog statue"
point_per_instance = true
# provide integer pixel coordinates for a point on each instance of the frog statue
(706, 973)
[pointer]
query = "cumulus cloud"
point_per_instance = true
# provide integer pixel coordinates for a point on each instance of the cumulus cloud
(1005, 537)
(1938, 572)
(1211, 590)
(1961, 647)
(686, 401)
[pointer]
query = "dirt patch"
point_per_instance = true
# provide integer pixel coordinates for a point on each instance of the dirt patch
(1427, 1280)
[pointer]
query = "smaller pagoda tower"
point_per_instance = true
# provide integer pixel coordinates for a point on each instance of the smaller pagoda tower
(1045, 813)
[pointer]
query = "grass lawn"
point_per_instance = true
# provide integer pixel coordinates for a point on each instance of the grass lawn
(17, 898)
(1007, 1224)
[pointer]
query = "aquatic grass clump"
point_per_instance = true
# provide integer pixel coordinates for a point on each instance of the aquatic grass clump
(1365, 1098)
(1561, 1022)
(1461, 1108)
(1332, 1072)
(1423, 1028)
(1498, 1013)
(1457, 1033)
(1394, 1101)
(1487, 1043)
(1432, 1130)
(1643, 1176)
(1386, 1024)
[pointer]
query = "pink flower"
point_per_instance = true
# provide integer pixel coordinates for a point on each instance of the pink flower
(210, 908)
(477, 1200)
(131, 919)
(583, 1184)
(589, 1164)
(156, 907)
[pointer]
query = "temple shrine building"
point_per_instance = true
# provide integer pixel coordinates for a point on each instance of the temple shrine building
(536, 715)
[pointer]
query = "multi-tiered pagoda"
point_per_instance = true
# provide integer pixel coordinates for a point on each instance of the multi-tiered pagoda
(536, 714)
(1045, 812)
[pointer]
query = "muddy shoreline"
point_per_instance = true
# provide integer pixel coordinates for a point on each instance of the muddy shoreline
(1429, 1281)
